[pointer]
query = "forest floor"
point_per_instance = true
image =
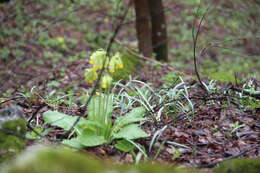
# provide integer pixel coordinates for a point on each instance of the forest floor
(44, 52)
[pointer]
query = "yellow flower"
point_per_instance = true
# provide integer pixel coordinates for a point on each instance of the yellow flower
(106, 81)
(90, 75)
(111, 70)
(115, 63)
(2, 99)
(97, 93)
(120, 66)
(97, 59)
(104, 85)
(92, 61)
(60, 39)
(96, 68)
(89, 81)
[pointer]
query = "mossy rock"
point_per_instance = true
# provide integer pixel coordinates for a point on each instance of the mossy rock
(239, 166)
(40, 159)
(53, 159)
(12, 132)
(155, 168)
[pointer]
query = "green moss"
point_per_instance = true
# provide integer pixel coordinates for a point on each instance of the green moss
(10, 147)
(53, 159)
(12, 140)
(158, 168)
(17, 127)
(42, 160)
(239, 166)
(223, 76)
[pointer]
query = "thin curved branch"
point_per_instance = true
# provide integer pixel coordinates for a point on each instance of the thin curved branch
(195, 40)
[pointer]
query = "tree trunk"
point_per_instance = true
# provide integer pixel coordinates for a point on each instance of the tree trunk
(159, 30)
(143, 27)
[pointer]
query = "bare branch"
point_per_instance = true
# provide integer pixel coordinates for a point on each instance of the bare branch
(195, 40)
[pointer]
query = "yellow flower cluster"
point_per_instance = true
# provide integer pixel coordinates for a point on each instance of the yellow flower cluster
(99, 60)
(60, 39)
(115, 63)
(106, 81)
(90, 75)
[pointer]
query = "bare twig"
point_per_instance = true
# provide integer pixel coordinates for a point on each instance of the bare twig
(10, 99)
(218, 43)
(195, 40)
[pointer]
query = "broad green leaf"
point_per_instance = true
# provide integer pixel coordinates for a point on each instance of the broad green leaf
(61, 120)
(64, 121)
(90, 131)
(124, 146)
(136, 115)
(87, 125)
(74, 143)
(132, 131)
(91, 141)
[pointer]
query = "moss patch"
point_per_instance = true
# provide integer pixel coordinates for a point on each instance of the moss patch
(12, 132)
(223, 76)
(239, 166)
(53, 159)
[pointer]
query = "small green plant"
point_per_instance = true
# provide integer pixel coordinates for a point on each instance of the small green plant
(251, 87)
(177, 97)
(211, 86)
(56, 42)
(137, 92)
(37, 130)
(4, 53)
(246, 101)
(176, 152)
(99, 128)
(235, 126)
